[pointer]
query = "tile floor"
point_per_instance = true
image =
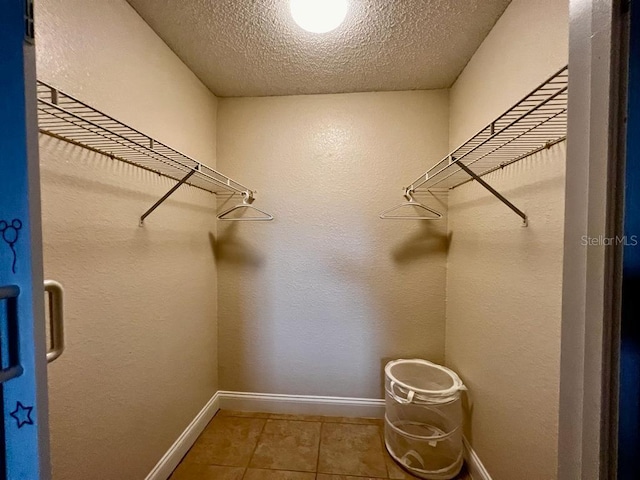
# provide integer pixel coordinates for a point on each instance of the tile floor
(262, 446)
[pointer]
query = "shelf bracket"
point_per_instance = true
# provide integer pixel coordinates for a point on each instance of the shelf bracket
(494, 192)
(166, 195)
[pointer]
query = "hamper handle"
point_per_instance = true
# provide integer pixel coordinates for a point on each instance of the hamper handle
(398, 398)
(412, 454)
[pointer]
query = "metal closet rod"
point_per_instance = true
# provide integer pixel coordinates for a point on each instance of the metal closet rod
(247, 193)
(497, 194)
(67, 118)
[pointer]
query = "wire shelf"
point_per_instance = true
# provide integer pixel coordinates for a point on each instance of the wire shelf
(537, 122)
(67, 118)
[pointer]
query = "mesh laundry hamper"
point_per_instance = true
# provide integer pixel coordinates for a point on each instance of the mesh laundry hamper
(423, 418)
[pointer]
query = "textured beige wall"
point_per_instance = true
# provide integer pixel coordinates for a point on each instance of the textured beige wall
(140, 302)
(526, 46)
(504, 281)
(316, 301)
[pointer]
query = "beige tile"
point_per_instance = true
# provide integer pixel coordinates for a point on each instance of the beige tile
(347, 449)
(235, 413)
(288, 445)
(259, 474)
(320, 418)
(396, 472)
(186, 471)
(227, 441)
(325, 476)
(237, 428)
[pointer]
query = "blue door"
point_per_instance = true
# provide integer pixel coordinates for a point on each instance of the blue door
(23, 388)
(629, 408)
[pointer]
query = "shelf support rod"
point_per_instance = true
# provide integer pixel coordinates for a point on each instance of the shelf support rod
(166, 195)
(494, 192)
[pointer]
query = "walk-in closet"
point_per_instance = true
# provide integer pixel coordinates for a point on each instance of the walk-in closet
(249, 220)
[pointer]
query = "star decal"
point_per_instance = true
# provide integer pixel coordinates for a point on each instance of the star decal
(22, 415)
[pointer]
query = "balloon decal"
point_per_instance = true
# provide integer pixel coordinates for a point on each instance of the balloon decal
(10, 232)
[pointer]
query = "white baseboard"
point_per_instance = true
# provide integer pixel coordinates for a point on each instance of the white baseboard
(474, 465)
(302, 404)
(181, 446)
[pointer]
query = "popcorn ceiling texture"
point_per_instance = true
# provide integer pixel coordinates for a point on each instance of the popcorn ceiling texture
(254, 48)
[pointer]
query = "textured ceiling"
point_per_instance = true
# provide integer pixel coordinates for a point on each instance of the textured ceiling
(254, 48)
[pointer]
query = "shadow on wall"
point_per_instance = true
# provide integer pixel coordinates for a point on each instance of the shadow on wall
(70, 167)
(467, 413)
(487, 199)
(228, 247)
(427, 241)
(431, 238)
(425, 244)
(527, 168)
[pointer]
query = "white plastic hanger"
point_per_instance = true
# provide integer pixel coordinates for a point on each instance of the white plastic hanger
(408, 193)
(247, 200)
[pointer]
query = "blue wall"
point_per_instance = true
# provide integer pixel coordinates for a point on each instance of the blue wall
(629, 425)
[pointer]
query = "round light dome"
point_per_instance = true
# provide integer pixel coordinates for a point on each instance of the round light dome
(319, 16)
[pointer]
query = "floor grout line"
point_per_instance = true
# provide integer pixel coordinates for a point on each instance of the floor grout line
(253, 452)
(319, 447)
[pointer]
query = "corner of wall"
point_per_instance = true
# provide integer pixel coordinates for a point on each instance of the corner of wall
(485, 313)
(146, 293)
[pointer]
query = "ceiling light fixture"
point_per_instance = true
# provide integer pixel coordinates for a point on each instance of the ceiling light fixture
(319, 16)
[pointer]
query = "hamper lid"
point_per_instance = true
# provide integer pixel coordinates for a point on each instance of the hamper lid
(424, 377)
